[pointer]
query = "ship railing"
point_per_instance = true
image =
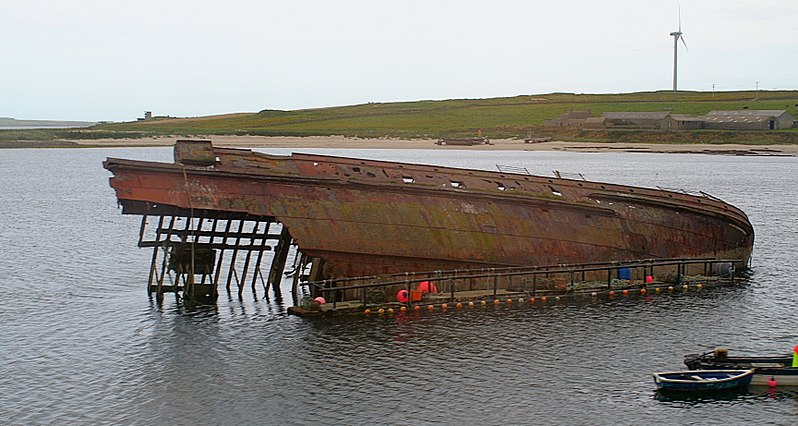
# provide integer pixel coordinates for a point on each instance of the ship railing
(564, 279)
(429, 275)
(513, 169)
(503, 168)
(566, 175)
(686, 192)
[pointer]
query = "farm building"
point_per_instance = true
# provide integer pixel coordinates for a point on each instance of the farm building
(748, 120)
(685, 122)
(664, 120)
(638, 120)
(570, 119)
(595, 123)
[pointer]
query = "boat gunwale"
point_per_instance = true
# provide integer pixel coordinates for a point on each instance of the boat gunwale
(741, 374)
(729, 212)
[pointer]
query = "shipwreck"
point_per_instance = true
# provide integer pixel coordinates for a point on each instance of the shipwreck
(352, 217)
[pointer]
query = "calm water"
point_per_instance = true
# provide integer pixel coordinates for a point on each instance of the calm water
(80, 341)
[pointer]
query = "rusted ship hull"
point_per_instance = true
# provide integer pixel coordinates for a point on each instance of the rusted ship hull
(366, 217)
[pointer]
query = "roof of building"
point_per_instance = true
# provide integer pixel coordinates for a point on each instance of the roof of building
(717, 118)
(574, 115)
(595, 119)
(656, 115)
(684, 117)
(749, 113)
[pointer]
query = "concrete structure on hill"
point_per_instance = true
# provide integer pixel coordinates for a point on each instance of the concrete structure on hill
(664, 120)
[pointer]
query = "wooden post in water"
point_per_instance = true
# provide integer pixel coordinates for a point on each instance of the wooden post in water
(258, 261)
(495, 282)
(235, 255)
(153, 263)
(221, 254)
(280, 257)
(248, 258)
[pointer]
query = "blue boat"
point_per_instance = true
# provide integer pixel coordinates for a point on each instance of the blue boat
(703, 380)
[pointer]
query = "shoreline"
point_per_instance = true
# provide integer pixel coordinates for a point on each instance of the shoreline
(340, 142)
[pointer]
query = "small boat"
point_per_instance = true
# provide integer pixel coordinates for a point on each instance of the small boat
(476, 140)
(768, 370)
(703, 380)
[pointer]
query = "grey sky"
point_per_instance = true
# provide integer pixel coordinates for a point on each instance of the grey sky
(112, 59)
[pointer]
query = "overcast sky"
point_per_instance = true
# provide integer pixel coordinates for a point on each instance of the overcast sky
(114, 59)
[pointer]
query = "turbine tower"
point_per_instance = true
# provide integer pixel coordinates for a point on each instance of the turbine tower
(677, 35)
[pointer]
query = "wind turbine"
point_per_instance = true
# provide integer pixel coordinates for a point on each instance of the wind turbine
(677, 35)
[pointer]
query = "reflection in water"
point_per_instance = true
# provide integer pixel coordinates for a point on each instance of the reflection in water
(752, 395)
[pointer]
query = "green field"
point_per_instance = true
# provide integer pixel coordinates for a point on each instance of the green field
(495, 118)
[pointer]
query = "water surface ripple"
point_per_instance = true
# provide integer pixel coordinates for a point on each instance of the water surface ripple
(80, 341)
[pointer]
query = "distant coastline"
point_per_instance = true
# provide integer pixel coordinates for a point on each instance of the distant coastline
(8, 123)
(507, 121)
(341, 142)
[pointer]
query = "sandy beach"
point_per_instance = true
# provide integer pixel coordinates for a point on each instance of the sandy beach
(337, 142)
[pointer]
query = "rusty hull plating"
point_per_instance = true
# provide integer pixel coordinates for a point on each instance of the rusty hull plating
(364, 217)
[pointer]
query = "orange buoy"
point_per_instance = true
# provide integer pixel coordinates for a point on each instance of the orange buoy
(431, 307)
(470, 304)
(699, 286)
(483, 303)
(444, 306)
(642, 291)
(685, 287)
(416, 308)
(427, 287)
(403, 309)
(390, 311)
(458, 305)
(381, 311)
(509, 301)
(367, 312)
(670, 288)
(531, 300)
(543, 299)
(657, 290)
(611, 293)
(626, 292)
(497, 301)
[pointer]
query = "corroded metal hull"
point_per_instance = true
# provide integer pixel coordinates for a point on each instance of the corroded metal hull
(366, 217)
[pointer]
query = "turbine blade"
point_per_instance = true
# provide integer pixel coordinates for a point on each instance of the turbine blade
(679, 6)
(684, 43)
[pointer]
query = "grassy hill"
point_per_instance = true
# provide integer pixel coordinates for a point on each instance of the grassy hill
(496, 117)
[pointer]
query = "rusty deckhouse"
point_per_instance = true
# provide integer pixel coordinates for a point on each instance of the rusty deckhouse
(354, 217)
